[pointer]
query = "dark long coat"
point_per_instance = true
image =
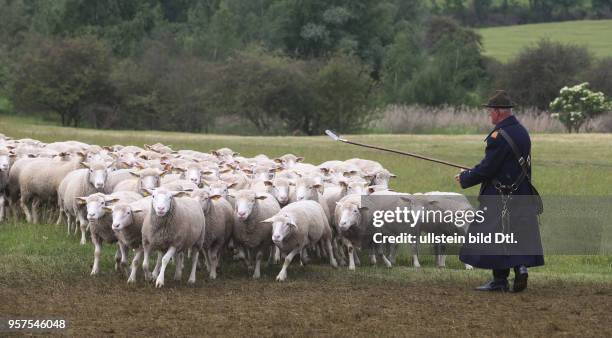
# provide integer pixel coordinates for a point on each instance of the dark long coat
(500, 163)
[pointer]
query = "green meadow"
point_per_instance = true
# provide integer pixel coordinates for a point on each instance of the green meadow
(504, 43)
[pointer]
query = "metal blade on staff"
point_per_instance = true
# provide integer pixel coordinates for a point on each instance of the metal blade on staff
(338, 138)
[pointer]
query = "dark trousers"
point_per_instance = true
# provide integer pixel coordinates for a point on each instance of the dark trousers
(504, 273)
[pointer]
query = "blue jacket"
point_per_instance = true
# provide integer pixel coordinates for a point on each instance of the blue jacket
(500, 162)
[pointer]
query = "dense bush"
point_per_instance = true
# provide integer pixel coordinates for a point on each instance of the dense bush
(536, 75)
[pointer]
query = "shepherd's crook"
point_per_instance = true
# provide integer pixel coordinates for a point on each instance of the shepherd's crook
(338, 138)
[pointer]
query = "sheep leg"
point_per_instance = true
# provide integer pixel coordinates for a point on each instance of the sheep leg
(194, 267)
(145, 262)
(415, 255)
(97, 250)
(157, 265)
(60, 217)
(164, 263)
(356, 257)
(83, 226)
(282, 275)
(35, 210)
(178, 271)
(332, 259)
(373, 258)
(257, 272)
(26, 210)
(380, 251)
(213, 255)
(304, 259)
(124, 257)
(2, 210)
(351, 256)
(339, 252)
(393, 253)
(137, 255)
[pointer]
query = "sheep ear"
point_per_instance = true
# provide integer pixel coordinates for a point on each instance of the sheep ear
(112, 200)
(180, 169)
(136, 210)
(135, 173)
(107, 209)
(268, 183)
(207, 173)
(188, 189)
(269, 220)
(392, 175)
(215, 197)
(299, 159)
(85, 164)
(163, 173)
(231, 185)
(179, 193)
(324, 170)
(343, 184)
(80, 200)
(148, 192)
(368, 177)
(364, 208)
(278, 160)
(261, 197)
(319, 187)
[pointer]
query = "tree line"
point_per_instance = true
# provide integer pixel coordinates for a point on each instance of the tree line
(260, 66)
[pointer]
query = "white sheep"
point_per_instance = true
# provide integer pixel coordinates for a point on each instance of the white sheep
(100, 224)
(219, 225)
(297, 226)
(173, 225)
(80, 183)
(250, 209)
(127, 224)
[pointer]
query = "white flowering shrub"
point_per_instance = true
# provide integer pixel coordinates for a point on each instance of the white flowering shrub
(575, 105)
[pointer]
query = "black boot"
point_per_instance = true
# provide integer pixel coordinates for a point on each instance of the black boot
(494, 285)
(520, 278)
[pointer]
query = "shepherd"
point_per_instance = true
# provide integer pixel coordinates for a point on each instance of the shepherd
(510, 203)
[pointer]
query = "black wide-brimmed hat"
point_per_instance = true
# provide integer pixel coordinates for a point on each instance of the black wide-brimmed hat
(501, 99)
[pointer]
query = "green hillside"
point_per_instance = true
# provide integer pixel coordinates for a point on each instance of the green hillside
(503, 43)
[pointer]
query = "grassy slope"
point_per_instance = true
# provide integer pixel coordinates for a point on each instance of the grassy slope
(503, 43)
(563, 164)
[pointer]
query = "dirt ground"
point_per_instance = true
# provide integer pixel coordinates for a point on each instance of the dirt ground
(314, 308)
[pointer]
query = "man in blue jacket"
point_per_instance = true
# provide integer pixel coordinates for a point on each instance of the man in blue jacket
(507, 201)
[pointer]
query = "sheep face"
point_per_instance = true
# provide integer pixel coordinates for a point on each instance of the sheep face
(263, 174)
(5, 162)
(162, 201)
(245, 201)
(307, 189)
(123, 216)
(349, 215)
(95, 205)
(280, 190)
(357, 188)
(149, 179)
(203, 197)
(382, 178)
(282, 227)
(194, 175)
(97, 174)
(219, 188)
(128, 159)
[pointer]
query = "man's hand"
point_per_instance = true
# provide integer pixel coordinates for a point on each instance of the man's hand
(457, 177)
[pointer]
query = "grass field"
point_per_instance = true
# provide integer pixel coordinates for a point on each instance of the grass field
(503, 43)
(46, 273)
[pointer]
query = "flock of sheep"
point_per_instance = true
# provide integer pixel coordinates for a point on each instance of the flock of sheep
(183, 204)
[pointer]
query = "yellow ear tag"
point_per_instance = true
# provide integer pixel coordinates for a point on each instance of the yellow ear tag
(145, 193)
(494, 135)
